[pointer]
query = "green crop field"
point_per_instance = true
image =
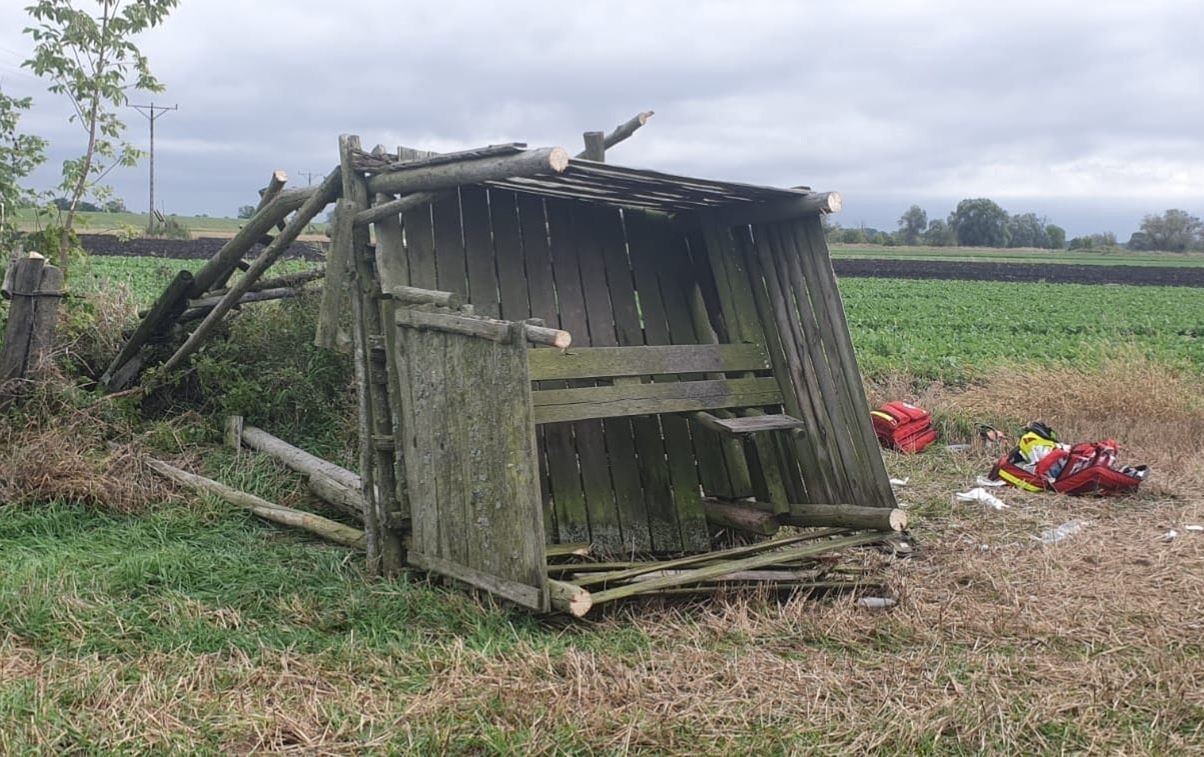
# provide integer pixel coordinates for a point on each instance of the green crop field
(993, 255)
(955, 330)
(101, 223)
(146, 277)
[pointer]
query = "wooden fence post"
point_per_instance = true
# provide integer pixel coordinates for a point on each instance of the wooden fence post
(35, 289)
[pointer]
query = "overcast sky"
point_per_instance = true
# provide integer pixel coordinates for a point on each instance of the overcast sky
(1091, 113)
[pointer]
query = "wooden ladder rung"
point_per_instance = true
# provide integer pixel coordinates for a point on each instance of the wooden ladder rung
(748, 424)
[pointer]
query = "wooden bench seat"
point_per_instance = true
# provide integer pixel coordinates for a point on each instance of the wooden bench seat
(659, 379)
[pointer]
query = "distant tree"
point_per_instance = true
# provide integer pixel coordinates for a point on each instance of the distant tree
(1139, 240)
(1102, 241)
(938, 234)
(1173, 231)
(19, 153)
(83, 206)
(246, 211)
(116, 205)
(912, 225)
(1055, 237)
(1027, 230)
(979, 223)
(92, 60)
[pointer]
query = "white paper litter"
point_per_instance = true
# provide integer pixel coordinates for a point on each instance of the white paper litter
(979, 494)
(1170, 535)
(1064, 531)
(991, 482)
(1193, 528)
(876, 603)
(899, 481)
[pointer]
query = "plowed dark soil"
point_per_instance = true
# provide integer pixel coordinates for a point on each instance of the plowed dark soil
(186, 249)
(1054, 273)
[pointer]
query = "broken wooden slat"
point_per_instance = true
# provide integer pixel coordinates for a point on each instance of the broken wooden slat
(607, 362)
(716, 570)
(751, 424)
(561, 405)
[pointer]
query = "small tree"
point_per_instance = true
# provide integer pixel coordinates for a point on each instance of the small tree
(19, 154)
(94, 62)
(246, 211)
(980, 223)
(1027, 230)
(939, 234)
(1174, 231)
(1055, 237)
(912, 225)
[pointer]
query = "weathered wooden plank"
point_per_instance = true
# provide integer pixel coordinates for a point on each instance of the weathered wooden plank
(646, 434)
(562, 405)
(840, 423)
(564, 497)
(752, 424)
(675, 486)
(521, 594)
(597, 227)
(449, 245)
(594, 463)
(818, 267)
(508, 253)
(478, 248)
(22, 311)
(608, 362)
(824, 482)
(420, 247)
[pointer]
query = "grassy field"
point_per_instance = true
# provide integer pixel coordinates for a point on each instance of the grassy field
(146, 277)
(957, 330)
(26, 219)
(163, 623)
(993, 255)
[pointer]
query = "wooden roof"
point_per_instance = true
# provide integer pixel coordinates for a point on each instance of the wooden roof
(604, 183)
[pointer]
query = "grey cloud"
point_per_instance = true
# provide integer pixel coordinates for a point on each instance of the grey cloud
(890, 103)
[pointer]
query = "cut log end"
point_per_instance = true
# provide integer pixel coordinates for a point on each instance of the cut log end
(558, 159)
(835, 203)
(280, 176)
(569, 598)
(643, 117)
(898, 520)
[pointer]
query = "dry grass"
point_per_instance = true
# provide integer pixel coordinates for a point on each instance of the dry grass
(1000, 643)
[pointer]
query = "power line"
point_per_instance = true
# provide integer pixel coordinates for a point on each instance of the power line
(309, 176)
(149, 111)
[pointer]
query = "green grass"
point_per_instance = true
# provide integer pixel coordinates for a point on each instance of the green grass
(98, 223)
(146, 277)
(993, 255)
(954, 330)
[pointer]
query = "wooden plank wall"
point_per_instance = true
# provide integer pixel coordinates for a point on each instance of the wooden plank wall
(611, 279)
(795, 296)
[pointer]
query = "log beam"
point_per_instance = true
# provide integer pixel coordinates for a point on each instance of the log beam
(846, 516)
(547, 160)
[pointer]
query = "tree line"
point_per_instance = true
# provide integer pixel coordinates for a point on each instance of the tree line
(981, 222)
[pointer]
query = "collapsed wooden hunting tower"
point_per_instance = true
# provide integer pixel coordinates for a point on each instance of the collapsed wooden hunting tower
(710, 362)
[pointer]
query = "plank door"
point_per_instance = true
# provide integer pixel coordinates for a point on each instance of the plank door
(471, 461)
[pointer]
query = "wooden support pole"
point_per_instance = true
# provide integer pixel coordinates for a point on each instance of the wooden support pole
(267, 194)
(324, 527)
(579, 549)
(277, 282)
(622, 131)
(569, 598)
(483, 328)
(396, 207)
(261, 295)
(407, 295)
(595, 146)
(846, 516)
(162, 316)
(807, 204)
(248, 236)
(450, 175)
(327, 192)
(350, 501)
(741, 517)
(295, 458)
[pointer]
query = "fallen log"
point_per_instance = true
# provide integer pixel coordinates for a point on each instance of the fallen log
(350, 501)
(742, 517)
(545, 160)
(846, 516)
(324, 527)
(295, 458)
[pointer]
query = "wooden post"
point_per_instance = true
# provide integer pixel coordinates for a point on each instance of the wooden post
(847, 516)
(621, 132)
(35, 289)
(595, 146)
(545, 160)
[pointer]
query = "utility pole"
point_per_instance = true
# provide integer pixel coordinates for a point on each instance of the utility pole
(309, 177)
(151, 115)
